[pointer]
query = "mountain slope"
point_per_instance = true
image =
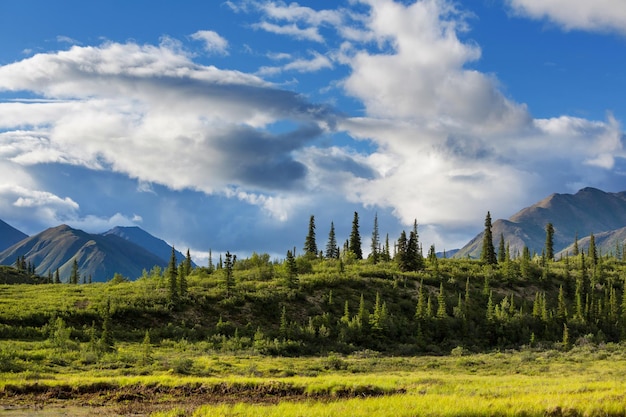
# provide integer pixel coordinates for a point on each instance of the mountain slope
(144, 239)
(98, 256)
(9, 235)
(588, 211)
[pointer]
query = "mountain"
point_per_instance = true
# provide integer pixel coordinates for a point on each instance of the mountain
(588, 211)
(98, 256)
(9, 235)
(144, 239)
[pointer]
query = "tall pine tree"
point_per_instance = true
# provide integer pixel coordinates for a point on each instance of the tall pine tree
(550, 242)
(354, 244)
(375, 247)
(310, 245)
(332, 251)
(488, 253)
(172, 277)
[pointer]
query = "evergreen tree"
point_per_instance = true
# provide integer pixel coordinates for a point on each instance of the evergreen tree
(402, 252)
(593, 252)
(228, 271)
(375, 246)
(188, 264)
(74, 276)
(57, 277)
(488, 253)
(211, 266)
(332, 251)
(417, 251)
(354, 244)
(501, 250)
(550, 242)
(363, 315)
(182, 278)
(441, 303)
(414, 259)
(386, 255)
(561, 310)
(420, 310)
(576, 250)
(292, 270)
(310, 245)
(490, 308)
(172, 277)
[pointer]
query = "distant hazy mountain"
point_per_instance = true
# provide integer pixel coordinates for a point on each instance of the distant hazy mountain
(588, 211)
(9, 235)
(98, 256)
(153, 244)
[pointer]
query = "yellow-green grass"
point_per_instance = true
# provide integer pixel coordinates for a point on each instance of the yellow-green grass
(584, 381)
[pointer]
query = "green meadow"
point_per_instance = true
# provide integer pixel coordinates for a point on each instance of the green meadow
(309, 336)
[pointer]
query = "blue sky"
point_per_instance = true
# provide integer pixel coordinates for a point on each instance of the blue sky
(225, 125)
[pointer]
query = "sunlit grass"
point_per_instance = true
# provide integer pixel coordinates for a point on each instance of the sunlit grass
(584, 382)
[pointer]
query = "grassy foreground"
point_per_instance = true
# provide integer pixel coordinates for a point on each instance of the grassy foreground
(585, 381)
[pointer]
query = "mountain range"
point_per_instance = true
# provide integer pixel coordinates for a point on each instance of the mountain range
(9, 235)
(589, 211)
(124, 250)
(130, 250)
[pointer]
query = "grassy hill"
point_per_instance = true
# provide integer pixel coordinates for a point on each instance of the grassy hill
(339, 307)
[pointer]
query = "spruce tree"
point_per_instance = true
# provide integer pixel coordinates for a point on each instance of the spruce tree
(550, 242)
(402, 252)
(488, 253)
(576, 250)
(332, 251)
(74, 276)
(354, 244)
(210, 265)
(593, 252)
(310, 245)
(414, 260)
(386, 253)
(441, 303)
(172, 277)
(501, 250)
(187, 264)
(292, 270)
(228, 270)
(375, 246)
(57, 277)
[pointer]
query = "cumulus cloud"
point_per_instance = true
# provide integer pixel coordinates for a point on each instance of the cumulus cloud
(449, 144)
(18, 201)
(213, 42)
(597, 15)
(151, 113)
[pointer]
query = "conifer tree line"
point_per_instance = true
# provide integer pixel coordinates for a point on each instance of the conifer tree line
(406, 250)
(393, 299)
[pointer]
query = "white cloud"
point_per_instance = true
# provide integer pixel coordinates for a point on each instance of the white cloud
(154, 115)
(450, 145)
(318, 62)
(596, 15)
(213, 42)
(19, 201)
(293, 30)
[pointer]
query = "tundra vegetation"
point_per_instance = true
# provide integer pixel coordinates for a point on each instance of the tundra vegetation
(326, 333)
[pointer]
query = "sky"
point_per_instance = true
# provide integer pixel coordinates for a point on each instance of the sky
(224, 125)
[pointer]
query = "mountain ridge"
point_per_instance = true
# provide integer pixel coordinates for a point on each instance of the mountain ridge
(588, 211)
(9, 235)
(99, 256)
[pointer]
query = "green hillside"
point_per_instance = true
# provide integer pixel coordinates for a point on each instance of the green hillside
(334, 305)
